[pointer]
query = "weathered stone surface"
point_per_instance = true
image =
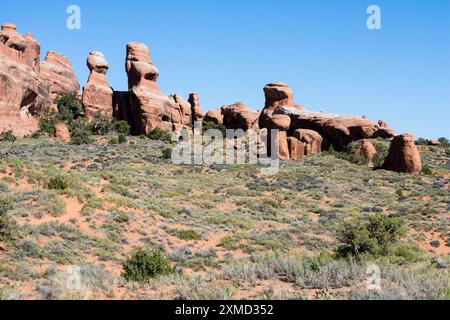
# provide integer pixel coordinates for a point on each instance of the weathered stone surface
(62, 132)
(403, 155)
(279, 122)
(150, 108)
(311, 139)
(97, 93)
(296, 148)
(184, 109)
(23, 94)
(58, 73)
(431, 142)
(364, 148)
(239, 116)
(196, 109)
(277, 95)
(214, 116)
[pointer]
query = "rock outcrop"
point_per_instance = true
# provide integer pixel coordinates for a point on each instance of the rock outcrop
(97, 93)
(215, 116)
(150, 108)
(239, 116)
(23, 94)
(403, 155)
(196, 109)
(58, 73)
(311, 139)
(62, 132)
(364, 148)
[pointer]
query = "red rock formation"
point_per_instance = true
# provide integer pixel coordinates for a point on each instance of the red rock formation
(184, 109)
(431, 142)
(214, 116)
(150, 108)
(311, 139)
(58, 73)
(97, 93)
(196, 109)
(296, 148)
(22, 93)
(403, 155)
(62, 132)
(364, 148)
(239, 116)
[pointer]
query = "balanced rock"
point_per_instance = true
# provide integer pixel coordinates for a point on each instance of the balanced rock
(215, 116)
(403, 155)
(23, 94)
(58, 73)
(239, 116)
(97, 93)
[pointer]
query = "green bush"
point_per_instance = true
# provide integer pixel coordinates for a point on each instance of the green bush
(7, 136)
(49, 119)
(426, 170)
(122, 139)
(186, 234)
(351, 157)
(5, 220)
(69, 107)
(113, 140)
(444, 142)
(160, 135)
(375, 237)
(211, 125)
(167, 153)
(121, 127)
(101, 124)
(421, 142)
(145, 264)
(58, 183)
(80, 132)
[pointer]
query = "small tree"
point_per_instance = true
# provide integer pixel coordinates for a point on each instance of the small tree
(145, 264)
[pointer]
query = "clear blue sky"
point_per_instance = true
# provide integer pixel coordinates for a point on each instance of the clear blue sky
(228, 50)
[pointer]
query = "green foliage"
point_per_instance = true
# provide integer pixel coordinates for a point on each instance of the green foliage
(351, 157)
(5, 220)
(49, 119)
(160, 135)
(421, 142)
(113, 140)
(382, 148)
(7, 136)
(121, 127)
(167, 153)
(69, 107)
(103, 125)
(211, 125)
(426, 170)
(444, 142)
(122, 139)
(81, 132)
(375, 237)
(57, 183)
(186, 234)
(399, 193)
(145, 264)
(121, 218)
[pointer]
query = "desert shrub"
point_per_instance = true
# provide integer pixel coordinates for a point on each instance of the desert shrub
(7, 136)
(375, 236)
(49, 119)
(5, 220)
(101, 124)
(57, 183)
(382, 148)
(348, 156)
(211, 125)
(121, 127)
(167, 153)
(80, 132)
(69, 107)
(145, 264)
(113, 140)
(122, 139)
(399, 193)
(421, 142)
(121, 218)
(426, 170)
(160, 135)
(444, 142)
(186, 234)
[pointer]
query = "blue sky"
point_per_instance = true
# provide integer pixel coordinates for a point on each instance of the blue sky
(228, 50)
